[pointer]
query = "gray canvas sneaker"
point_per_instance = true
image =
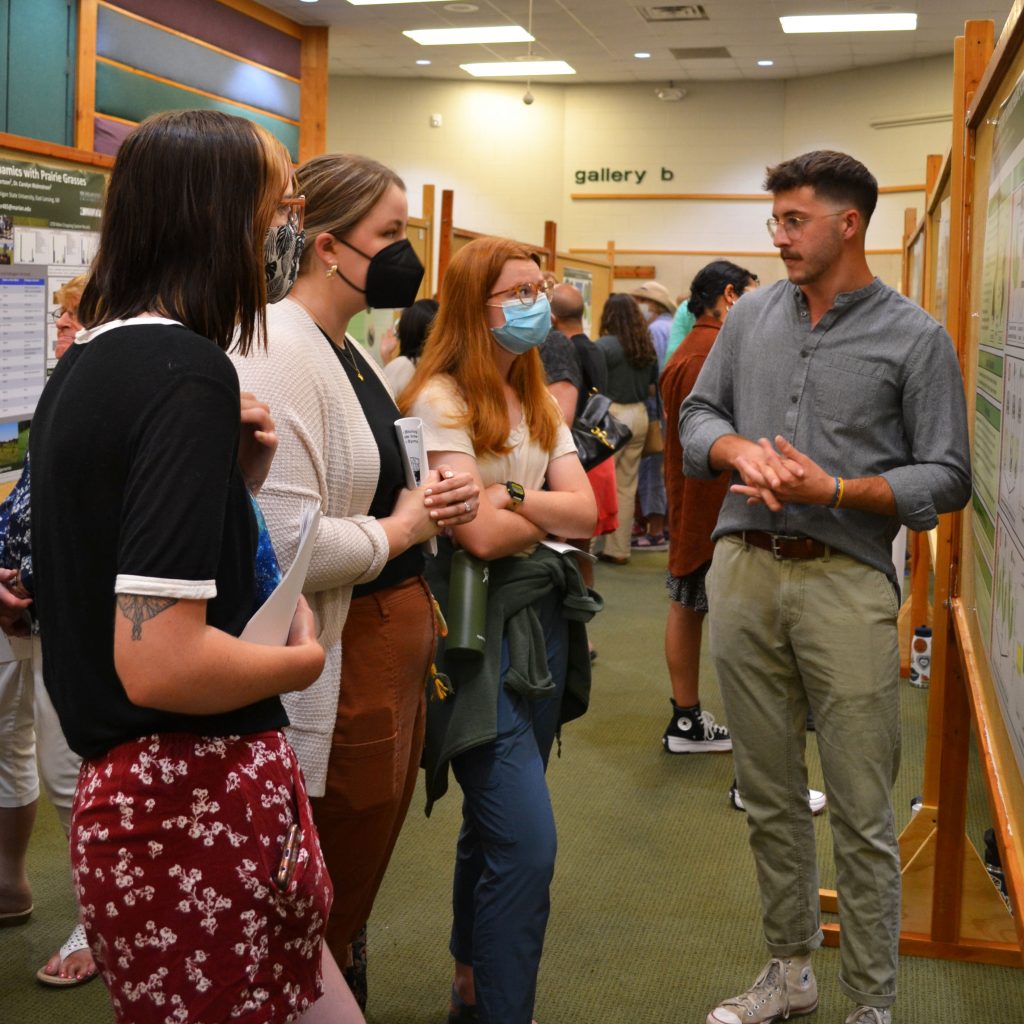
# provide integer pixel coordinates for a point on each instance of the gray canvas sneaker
(784, 989)
(870, 1015)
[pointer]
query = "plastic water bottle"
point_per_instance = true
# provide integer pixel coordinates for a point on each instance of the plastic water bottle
(921, 658)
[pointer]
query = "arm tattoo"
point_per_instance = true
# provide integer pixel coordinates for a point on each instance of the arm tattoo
(137, 608)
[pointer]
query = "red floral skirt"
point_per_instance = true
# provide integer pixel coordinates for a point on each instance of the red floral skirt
(175, 845)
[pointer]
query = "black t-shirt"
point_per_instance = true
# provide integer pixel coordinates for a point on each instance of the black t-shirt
(594, 368)
(136, 490)
(381, 412)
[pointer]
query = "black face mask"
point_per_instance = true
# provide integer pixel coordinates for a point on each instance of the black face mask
(393, 277)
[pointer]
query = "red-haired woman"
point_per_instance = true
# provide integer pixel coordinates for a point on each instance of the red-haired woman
(480, 389)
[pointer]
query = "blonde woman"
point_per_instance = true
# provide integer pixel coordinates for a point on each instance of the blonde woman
(358, 730)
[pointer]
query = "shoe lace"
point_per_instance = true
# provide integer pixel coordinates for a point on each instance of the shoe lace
(770, 982)
(712, 730)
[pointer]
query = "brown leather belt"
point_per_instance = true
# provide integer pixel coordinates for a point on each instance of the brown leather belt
(784, 547)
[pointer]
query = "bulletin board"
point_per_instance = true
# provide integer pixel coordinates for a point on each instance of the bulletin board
(916, 250)
(49, 231)
(594, 279)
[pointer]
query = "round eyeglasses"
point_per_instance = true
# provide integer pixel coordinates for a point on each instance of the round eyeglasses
(792, 225)
(525, 293)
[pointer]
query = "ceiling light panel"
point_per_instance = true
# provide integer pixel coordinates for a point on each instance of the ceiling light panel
(519, 69)
(462, 36)
(849, 23)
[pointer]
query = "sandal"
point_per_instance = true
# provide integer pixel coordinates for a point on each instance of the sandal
(75, 944)
(651, 542)
(16, 917)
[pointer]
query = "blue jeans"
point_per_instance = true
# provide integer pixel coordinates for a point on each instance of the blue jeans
(505, 857)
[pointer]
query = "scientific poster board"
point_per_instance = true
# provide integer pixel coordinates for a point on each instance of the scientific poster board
(594, 278)
(994, 544)
(49, 230)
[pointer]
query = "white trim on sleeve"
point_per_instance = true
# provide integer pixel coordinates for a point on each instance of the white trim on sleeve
(156, 586)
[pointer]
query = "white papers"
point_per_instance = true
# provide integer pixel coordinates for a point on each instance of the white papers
(567, 549)
(414, 458)
(270, 624)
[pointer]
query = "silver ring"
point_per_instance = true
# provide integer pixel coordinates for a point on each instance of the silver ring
(469, 508)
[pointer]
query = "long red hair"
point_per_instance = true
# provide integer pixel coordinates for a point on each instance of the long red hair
(460, 344)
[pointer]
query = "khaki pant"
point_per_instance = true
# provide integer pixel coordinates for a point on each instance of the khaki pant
(627, 465)
(387, 647)
(785, 635)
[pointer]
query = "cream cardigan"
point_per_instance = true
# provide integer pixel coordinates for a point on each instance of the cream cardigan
(325, 452)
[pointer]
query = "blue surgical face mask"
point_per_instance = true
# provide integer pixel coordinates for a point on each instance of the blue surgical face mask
(525, 327)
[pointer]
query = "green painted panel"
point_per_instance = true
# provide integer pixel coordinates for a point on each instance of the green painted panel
(5, 43)
(38, 77)
(120, 93)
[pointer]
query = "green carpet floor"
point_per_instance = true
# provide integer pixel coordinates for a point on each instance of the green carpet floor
(654, 909)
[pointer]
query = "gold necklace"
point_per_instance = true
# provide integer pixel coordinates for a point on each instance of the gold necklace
(343, 347)
(352, 360)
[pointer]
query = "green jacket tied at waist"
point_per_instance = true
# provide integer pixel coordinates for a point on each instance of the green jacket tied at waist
(468, 717)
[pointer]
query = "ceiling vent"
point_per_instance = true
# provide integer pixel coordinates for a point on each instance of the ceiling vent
(700, 53)
(673, 12)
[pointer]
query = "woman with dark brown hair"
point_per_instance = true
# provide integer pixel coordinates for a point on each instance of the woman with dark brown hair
(632, 378)
(481, 391)
(196, 862)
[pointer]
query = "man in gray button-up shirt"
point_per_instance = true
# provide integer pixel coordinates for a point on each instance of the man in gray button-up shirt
(839, 407)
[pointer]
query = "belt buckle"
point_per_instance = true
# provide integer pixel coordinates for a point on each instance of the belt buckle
(776, 539)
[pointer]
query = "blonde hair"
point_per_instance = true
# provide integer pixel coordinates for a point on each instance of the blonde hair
(461, 345)
(340, 190)
(70, 293)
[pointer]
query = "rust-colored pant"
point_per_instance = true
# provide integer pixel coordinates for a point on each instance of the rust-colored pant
(387, 647)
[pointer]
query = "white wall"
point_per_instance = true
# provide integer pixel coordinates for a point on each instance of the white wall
(512, 167)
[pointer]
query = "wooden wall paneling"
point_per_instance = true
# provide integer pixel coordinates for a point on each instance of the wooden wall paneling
(85, 69)
(313, 101)
(444, 251)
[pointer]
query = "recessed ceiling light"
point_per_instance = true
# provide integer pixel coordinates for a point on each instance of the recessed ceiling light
(850, 23)
(423, 62)
(765, 63)
(519, 68)
(314, 1)
(455, 36)
(641, 55)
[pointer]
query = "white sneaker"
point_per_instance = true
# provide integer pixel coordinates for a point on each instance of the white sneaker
(816, 800)
(870, 1015)
(785, 988)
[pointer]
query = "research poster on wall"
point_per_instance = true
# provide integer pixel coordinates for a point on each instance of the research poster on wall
(49, 230)
(583, 281)
(998, 500)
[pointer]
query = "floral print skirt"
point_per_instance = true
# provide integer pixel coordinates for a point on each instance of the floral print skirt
(175, 844)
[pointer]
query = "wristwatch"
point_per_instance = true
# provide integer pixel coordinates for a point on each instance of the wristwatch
(516, 493)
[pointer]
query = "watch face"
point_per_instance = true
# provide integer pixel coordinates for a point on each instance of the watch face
(515, 491)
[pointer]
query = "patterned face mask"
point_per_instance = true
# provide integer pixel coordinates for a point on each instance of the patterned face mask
(282, 253)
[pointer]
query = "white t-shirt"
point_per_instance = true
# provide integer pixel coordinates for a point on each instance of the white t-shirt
(439, 403)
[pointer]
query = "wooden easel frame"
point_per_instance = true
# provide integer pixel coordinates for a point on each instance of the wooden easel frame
(951, 909)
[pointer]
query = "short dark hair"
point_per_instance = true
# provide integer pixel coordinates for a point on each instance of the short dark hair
(413, 325)
(711, 281)
(190, 198)
(832, 175)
